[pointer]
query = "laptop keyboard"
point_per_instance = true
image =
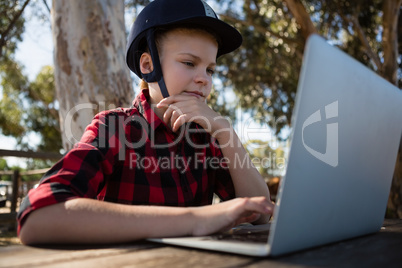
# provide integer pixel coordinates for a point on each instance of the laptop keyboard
(259, 237)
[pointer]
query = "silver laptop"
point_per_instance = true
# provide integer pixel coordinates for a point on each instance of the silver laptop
(346, 131)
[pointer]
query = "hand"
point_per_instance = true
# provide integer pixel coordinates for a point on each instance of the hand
(185, 108)
(224, 216)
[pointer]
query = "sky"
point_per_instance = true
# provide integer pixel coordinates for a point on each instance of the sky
(36, 50)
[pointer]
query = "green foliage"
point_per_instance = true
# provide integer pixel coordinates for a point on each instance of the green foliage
(3, 167)
(335, 18)
(43, 115)
(270, 162)
(217, 102)
(11, 102)
(11, 25)
(26, 107)
(3, 164)
(264, 71)
(29, 107)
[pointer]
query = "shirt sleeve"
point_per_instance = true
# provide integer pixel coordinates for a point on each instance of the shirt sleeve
(80, 173)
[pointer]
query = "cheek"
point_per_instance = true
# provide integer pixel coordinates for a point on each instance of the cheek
(209, 89)
(173, 70)
(176, 75)
(209, 85)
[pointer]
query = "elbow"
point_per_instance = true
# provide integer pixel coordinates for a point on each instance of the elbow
(40, 226)
(34, 229)
(26, 234)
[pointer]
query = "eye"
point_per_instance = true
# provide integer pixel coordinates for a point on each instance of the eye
(210, 71)
(188, 63)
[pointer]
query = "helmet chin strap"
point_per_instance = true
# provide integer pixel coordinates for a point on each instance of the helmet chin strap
(156, 75)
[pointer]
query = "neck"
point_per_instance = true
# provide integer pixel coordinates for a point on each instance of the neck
(158, 111)
(155, 97)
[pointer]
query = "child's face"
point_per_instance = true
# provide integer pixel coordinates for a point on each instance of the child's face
(188, 60)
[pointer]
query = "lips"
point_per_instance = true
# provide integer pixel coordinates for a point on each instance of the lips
(195, 93)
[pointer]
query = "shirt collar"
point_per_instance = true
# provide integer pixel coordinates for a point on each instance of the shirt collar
(141, 102)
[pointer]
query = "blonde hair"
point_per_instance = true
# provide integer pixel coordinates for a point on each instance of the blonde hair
(143, 84)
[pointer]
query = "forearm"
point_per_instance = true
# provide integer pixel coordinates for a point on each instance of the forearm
(92, 221)
(246, 178)
(87, 221)
(247, 181)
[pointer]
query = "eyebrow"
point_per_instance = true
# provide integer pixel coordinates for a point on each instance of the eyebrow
(196, 57)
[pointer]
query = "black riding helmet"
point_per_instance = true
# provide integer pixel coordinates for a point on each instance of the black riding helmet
(171, 13)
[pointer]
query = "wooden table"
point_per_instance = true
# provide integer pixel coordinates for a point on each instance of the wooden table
(383, 249)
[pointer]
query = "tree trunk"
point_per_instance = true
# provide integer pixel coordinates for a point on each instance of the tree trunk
(391, 10)
(390, 40)
(298, 10)
(90, 69)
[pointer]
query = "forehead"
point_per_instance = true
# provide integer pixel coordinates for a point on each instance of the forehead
(189, 39)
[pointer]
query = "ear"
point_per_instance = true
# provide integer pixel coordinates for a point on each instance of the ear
(146, 65)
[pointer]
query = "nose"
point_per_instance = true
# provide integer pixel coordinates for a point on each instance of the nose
(202, 78)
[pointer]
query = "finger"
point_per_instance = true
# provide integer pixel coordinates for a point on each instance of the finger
(179, 114)
(264, 203)
(173, 99)
(178, 122)
(174, 116)
(251, 218)
(174, 112)
(178, 117)
(258, 205)
(167, 116)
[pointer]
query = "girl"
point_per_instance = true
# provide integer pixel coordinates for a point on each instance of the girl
(154, 167)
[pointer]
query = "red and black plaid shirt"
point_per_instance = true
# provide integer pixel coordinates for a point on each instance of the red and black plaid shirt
(130, 156)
